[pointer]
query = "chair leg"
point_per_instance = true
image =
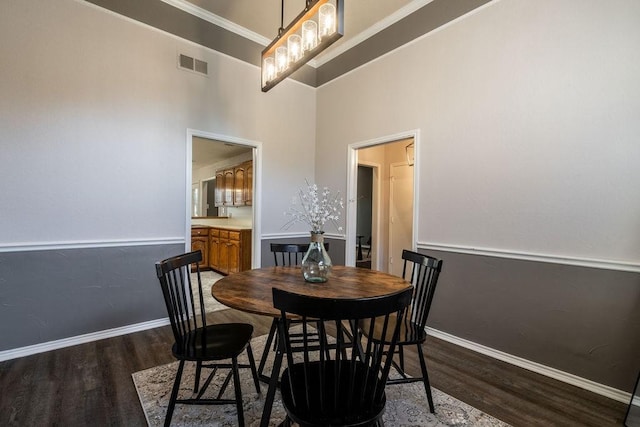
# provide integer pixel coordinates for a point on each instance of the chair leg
(401, 357)
(425, 378)
(254, 372)
(236, 384)
(267, 346)
(196, 384)
(174, 395)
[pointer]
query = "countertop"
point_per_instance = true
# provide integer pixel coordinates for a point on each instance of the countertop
(224, 227)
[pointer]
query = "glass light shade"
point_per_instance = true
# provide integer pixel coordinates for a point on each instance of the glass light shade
(294, 44)
(309, 35)
(268, 69)
(327, 20)
(282, 60)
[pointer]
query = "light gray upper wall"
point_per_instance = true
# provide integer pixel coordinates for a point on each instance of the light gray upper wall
(527, 111)
(528, 125)
(94, 115)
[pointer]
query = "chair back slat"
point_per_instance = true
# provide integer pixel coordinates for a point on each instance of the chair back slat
(423, 274)
(178, 291)
(287, 254)
(341, 383)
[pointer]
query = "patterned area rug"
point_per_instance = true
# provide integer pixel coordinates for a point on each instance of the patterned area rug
(208, 279)
(406, 403)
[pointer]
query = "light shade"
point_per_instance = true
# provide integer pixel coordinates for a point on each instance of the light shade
(318, 26)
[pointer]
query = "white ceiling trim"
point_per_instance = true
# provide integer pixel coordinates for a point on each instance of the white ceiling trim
(217, 20)
(322, 59)
(372, 30)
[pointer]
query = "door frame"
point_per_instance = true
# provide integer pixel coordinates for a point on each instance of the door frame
(352, 178)
(392, 197)
(256, 204)
(375, 207)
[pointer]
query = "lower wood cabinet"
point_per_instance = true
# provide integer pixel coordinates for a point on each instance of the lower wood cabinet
(225, 250)
(229, 250)
(200, 241)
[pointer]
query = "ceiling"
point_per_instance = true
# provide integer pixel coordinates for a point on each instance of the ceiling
(362, 18)
(208, 151)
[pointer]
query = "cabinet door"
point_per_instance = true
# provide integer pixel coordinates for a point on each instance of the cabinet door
(238, 185)
(233, 256)
(248, 183)
(214, 252)
(228, 187)
(201, 244)
(220, 187)
(223, 257)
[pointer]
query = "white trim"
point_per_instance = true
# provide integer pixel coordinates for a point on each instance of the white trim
(256, 227)
(201, 13)
(529, 256)
(81, 339)
(295, 235)
(87, 244)
(352, 172)
(556, 374)
(350, 43)
(411, 42)
(376, 204)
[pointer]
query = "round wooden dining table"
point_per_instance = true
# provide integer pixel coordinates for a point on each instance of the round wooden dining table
(250, 291)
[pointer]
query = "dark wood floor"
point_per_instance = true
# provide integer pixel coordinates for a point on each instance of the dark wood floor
(90, 384)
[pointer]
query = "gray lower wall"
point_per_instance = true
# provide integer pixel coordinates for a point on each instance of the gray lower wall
(54, 294)
(584, 321)
(580, 320)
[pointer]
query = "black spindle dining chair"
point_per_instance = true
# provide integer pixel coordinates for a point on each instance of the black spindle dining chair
(423, 272)
(345, 387)
(284, 254)
(197, 341)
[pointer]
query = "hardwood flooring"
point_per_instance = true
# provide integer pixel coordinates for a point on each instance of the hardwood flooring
(90, 384)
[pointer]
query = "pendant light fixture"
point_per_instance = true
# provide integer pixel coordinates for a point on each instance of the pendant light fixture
(318, 26)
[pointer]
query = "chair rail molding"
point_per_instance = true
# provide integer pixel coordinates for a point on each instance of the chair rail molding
(88, 244)
(530, 256)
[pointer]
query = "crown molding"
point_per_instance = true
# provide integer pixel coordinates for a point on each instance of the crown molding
(371, 31)
(201, 13)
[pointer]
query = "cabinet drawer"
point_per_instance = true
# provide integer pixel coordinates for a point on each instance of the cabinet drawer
(234, 235)
(214, 232)
(199, 232)
(224, 234)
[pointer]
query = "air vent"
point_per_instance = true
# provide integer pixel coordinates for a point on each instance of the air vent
(188, 63)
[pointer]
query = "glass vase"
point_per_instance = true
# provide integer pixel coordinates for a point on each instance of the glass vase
(316, 264)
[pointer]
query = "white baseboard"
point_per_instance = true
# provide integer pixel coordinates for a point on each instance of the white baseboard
(80, 339)
(565, 377)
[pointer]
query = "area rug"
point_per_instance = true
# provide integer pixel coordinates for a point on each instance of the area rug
(406, 403)
(208, 278)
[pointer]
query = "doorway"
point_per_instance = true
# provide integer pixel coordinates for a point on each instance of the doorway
(207, 153)
(393, 208)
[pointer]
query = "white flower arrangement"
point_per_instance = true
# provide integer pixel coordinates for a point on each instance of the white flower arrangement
(315, 208)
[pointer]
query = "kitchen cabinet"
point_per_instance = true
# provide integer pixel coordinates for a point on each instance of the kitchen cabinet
(229, 250)
(239, 178)
(220, 187)
(229, 185)
(234, 185)
(200, 241)
(248, 183)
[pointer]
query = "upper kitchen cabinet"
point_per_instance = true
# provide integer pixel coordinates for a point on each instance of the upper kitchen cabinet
(248, 183)
(234, 185)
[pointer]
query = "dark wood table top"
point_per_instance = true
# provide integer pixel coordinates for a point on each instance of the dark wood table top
(250, 290)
